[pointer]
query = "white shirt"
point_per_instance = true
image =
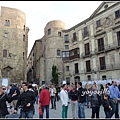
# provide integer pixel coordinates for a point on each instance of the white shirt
(52, 91)
(64, 97)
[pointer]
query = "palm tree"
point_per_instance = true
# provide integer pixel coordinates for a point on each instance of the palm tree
(55, 75)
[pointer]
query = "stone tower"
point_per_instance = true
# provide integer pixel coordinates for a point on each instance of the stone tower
(53, 44)
(13, 44)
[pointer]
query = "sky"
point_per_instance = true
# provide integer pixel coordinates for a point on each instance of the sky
(39, 13)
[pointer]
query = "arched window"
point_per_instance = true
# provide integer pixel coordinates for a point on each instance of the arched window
(4, 53)
(89, 77)
(68, 81)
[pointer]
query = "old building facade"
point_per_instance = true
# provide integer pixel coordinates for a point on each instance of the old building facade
(13, 44)
(88, 50)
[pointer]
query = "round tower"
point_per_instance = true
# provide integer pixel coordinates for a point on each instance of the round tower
(53, 44)
(14, 44)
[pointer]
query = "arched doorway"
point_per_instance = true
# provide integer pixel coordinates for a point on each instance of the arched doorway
(76, 79)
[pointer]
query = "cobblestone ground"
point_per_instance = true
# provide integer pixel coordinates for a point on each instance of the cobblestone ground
(57, 113)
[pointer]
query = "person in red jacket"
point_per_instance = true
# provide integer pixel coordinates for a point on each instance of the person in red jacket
(44, 102)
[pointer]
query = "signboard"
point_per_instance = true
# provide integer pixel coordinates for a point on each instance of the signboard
(5, 82)
(64, 82)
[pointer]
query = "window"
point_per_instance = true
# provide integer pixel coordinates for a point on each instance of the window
(85, 31)
(117, 14)
(5, 34)
(23, 55)
(102, 63)
(24, 27)
(104, 77)
(68, 81)
(66, 46)
(88, 67)
(87, 49)
(74, 36)
(98, 23)
(67, 68)
(66, 38)
(100, 44)
(59, 34)
(65, 54)
(33, 54)
(89, 77)
(4, 53)
(76, 68)
(7, 23)
(49, 31)
(118, 38)
(23, 37)
(58, 52)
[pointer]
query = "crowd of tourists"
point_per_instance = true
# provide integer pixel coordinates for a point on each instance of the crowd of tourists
(24, 97)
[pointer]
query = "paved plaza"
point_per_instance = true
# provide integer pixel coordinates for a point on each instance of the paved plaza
(58, 114)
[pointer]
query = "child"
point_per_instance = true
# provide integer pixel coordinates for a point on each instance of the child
(107, 105)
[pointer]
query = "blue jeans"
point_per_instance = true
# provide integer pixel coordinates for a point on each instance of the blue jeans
(81, 110)
(28, 114)
(107, 114)
(37, 99)
(115, 109)
(47, 111)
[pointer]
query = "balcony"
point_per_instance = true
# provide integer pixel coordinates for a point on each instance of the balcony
(85, 35)
(74, 56)
(65, 58)
(88, 71)
(87, 54)
(74, 39)
(76, 72)
(66, 41)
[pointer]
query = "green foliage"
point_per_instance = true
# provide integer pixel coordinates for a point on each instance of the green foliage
(55, 75)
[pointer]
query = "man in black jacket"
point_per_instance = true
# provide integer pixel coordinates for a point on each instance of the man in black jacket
(81, 100)
(26, 101)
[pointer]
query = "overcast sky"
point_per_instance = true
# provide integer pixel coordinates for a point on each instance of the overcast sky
(39, 13)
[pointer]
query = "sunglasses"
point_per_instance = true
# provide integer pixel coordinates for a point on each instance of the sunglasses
(3, 88)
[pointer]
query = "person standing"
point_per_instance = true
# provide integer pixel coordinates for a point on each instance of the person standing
(14, 90)
(81, 100)
(26, 101)
(53, 96)
(3, 98)
(65, 100)
(107, 105)
(74, 99)
(44, 102)
(95, 101)
(115, 97)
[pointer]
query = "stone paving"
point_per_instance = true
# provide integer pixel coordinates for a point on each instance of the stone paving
(58, 114)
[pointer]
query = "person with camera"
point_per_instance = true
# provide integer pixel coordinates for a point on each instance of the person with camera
(26, 101)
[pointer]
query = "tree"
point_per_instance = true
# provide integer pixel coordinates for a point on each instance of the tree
(55, 75)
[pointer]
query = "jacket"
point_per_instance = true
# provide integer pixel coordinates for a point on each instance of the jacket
(64, 97)
(73, 95)
(3, 106)
(95, 100)
(12, 90)
(106, 104)
(81, 95)
(44, 97)
(25, 98)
